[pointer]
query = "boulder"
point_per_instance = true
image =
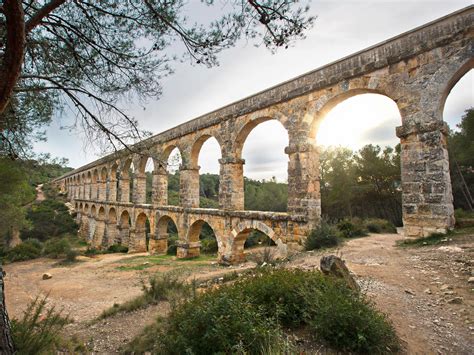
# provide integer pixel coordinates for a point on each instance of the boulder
(334, 266)
(47, 276)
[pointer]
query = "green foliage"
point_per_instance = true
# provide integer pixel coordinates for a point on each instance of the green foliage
(364, 184)
(258, 238)
(216, 322)
(29, 249)
(49, 219)
(15, 192)
(248, 315)
(209, 246)
(346, 320)
(460, 213)
(378, 225)
(433, 239)
(323, 236)
(71, 256)
(38, 332)
(57, 248)
(265, 195)
(351, 228)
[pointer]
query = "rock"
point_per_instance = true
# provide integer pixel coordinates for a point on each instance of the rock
(446, 287)
(451, 249)
(334, 266)
(471, 280)
(427, 291)
(47, 276)
(410, 292)
(455, 300)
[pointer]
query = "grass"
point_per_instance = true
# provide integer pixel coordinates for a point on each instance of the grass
(145, 262)
(164, 287)
(436, 238)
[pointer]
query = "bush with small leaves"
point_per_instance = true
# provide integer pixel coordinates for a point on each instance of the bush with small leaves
(351, 228)
(378, 225)
(29, 249)
(38, 332)
(56, 248)
(117, 248)
(323, 236)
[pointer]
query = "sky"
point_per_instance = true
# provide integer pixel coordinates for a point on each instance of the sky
(341, 28)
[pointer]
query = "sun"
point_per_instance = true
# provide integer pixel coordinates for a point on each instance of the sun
(360, 120)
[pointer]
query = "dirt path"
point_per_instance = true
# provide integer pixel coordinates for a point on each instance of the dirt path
(425, 291)
(39, 193)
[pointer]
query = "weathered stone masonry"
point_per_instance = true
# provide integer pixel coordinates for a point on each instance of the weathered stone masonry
(416, 69)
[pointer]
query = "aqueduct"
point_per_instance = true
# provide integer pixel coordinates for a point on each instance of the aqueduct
(416, 69)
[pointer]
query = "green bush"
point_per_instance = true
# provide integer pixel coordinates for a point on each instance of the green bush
(172, 245)
(38, 331)
(219, 321)
(56, 248)
(351, 228)
(248, 315)
(49, 219)
(29, 249)
(378, 225)
(117, 248)
(71, 256)
(209, 245)
(323, 236)
(347, 321)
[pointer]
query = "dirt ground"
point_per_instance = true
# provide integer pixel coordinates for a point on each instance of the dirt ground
(424, 291)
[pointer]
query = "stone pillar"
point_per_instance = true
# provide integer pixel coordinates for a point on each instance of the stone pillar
(189, 187)
(123, 235)
(124, 185)
(93, 191)
(304, 196)
(102, 189)
(87, 191)
(159, 190)
(111, 189)
(160, 244)
(139, 188)
(427, 199)
(188, 250)
(84, 227)
(137, 242)
(111, 233)
(91, 230)
(98, 233)
(231, 184)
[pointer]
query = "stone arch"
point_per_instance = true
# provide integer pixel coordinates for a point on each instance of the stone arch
(160, 245)
(247, 127)
(197, 145)
(143, 187)
(241, 233)
(457, 72)
(125, 180)
(193, 238)
(139, 243)
(325, 104)
(112, 182)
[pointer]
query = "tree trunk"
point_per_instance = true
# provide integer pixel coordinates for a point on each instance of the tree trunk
(6, 341)
(10, 68)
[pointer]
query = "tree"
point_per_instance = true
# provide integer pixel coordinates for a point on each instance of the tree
(93, 57)
(14, 193)
(461, 158)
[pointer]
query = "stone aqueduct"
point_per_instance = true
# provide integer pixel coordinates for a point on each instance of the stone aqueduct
(416, 69)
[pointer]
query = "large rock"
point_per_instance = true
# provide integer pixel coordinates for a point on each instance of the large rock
(334, 266)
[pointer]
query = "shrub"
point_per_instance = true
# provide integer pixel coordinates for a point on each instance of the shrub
(347, 321)
(378, 225)
(38, 331)
(209, 245)
(56, 248)
(91, 251)
(117, 248)
(172, 245)
(29, 249)
(71, 256)
(219, 321)
(247, 317)
(323, 236)
(163, 287)
(351, 228)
